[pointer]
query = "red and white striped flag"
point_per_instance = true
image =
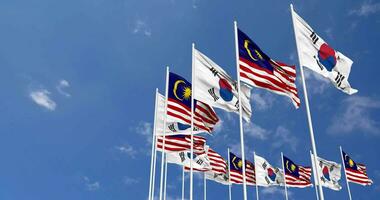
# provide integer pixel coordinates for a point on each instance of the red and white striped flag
(259, 70)
(176, 143)
(355, 172)
(236, 171)
(296, 175)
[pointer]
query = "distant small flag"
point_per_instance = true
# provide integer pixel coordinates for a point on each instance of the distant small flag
(176, 143)
(259, 70)
(179, 106)
(218, 171)
(355, 172)
(320, 57)
(199, 161)
(216, 88)
(236, 171)
(329, 173)
(296, 175)
(266, 174)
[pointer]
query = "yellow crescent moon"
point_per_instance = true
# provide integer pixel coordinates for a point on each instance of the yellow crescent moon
(287, 166)
(246, 43)
(176, 87)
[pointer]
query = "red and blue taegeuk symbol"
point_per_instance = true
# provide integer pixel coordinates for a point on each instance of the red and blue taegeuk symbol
(271, 174)
(225, 90)
(326, 56)
(326, 173)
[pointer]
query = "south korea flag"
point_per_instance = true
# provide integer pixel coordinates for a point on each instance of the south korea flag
(317, 55)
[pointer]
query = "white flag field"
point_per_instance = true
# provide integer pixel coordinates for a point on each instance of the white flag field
(200, 162)
(172, 126)
(328, 172)
(216, 88)
(266, 174)
(317, 55)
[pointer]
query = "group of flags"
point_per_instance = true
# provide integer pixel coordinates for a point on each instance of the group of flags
(187, 109)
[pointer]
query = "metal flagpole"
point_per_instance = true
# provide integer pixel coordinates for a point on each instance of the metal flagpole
(192, 121)
(154, 167)
(283, 168)
(345, 173)
(163, 139)
(240, 111)
(166, 175)
(204, 186)
(315, 179)
(307, 107)
(257, 187)
(153, 147)
(183, 183)
(229, 176)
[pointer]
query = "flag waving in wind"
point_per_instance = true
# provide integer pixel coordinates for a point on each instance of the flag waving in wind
(329, 173)
(259, 70)
(236, 170)
(179, 106)
(266, 174)
(216, 88)
(355, 172)
(317, 55)
(296, 175)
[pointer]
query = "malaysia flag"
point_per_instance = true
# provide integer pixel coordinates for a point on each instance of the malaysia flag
(296, 175)
(355, 172)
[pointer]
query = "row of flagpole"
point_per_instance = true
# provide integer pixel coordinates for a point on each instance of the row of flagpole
(163, 177)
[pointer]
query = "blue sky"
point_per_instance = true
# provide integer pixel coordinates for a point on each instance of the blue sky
(78, 80)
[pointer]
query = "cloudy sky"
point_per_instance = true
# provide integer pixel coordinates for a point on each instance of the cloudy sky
(78, 80)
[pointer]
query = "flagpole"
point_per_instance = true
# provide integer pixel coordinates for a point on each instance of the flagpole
(183, 183)
(257, 187)
(229, 176)
(153, 147)
(164, 130)
(154, 167)
(204, 186)
(166, 175)
(315, 179)
(283, 168)
(192, 121)
(307, 108)
(240, 112)
(345, 173)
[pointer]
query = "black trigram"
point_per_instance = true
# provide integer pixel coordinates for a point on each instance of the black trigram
(339, 79)
(214, 71)
(314, 37)
(211, 91)
(182, 156)
(237, 105)
(172, 128)
(199, 162)
(264, 165)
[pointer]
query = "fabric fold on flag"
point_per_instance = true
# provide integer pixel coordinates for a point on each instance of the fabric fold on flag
(320, 57)
(355, 172)
(216, 88)
(179, 106)
(199, 161)
(236, 171)
(259, 70)
(329, 173)
(296, 175)
(177, 143)
(266, 174)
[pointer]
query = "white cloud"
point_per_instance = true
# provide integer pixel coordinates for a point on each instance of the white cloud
(41, 98)
(127, 149)
(141, 27)
(91, 186)
(270, 191)
(61, 86)
(218, 127)
(145, 129)
(130, 180)
(354, 114)
(283, 137)
(329, 33)
(366, 8)
(262, 100)
(256, 131)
